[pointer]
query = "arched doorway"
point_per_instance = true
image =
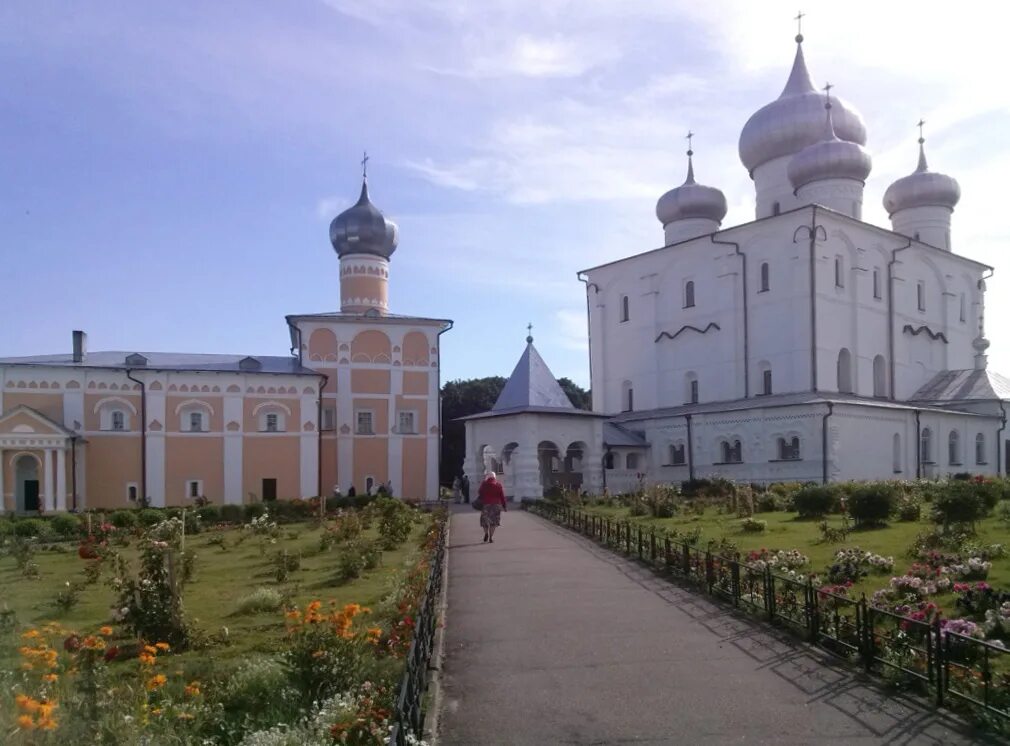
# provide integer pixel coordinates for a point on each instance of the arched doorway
(26, 484)
(573, 475)
(549, 457)
(507, 473)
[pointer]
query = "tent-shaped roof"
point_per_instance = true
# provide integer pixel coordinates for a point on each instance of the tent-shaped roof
(964, 385)
(532, 385)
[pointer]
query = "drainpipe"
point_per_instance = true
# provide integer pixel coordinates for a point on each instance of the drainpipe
(319, 440)
(746, 319)
(589, 332)
(603, 464)
(824, 442)
(690, 449)
(812, 231)
(999, 444)
(73, 471)
(143, 436)
(890, 317)
(438, 345)
(918, 445)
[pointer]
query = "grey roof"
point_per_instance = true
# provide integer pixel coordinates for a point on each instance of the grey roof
(191, 361)
(388, 318)
(531, 385)
(964, 385)
(616, 435)
(775, 400)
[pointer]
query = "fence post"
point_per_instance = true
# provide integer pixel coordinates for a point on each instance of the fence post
(812, 610)
(686, 558)
(734, 568)
(639, 542)
(866, 637)
(652, 546)
(770, 594)
(709, 570)
(627, 537)
(668, 557)
(940, 660)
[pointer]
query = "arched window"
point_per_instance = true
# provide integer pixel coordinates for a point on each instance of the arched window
(845, 371)
(789, 449)
(879, 376)
(691, 388)
(896, 454)
(839, 272)
(194, 416)
(727, 452)
(689, 294)
(608, 461)
(196, 422)
(677, 455)
(954, 448)
(631, 461)
(926, 446)
(980, 449)
(271, 417)
(625, 308)
(118, 420)
(732, 452)
(764, 277)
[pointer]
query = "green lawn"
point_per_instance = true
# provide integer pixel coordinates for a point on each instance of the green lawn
(221, 578)
(786, 531)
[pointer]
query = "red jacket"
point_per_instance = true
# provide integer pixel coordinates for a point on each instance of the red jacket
(491, 492)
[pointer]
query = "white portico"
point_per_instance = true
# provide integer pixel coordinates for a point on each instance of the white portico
(34, 452)
(533, 436)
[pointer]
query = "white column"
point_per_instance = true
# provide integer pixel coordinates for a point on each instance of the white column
(47, 483)
(61, 478)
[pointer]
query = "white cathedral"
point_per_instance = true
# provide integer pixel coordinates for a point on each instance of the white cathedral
(803, 345)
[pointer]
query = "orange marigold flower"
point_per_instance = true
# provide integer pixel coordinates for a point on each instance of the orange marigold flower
(162, 646)
(192, 689)
(49, 678)
(46, 709)
(150, 650)
(47, 724)
(105, 631)
(30, 634)
(25, 722)
(156, 711)
(156, 682)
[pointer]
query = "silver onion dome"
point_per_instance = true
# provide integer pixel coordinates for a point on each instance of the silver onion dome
(795, 120)
(362, 229)
(922, 188)
(691, 200)
(830, 158)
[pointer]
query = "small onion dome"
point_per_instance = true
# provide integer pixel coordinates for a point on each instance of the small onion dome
(923, 188)
(830, 158)
(795, 120)
(362, 229)
(691, 200)
(980, 343)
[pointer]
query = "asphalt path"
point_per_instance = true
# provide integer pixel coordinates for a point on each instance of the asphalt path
(551, 639)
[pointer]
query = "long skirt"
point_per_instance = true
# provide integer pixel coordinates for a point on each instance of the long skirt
(490, 515)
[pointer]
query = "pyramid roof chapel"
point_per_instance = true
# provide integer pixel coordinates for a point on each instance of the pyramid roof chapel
(531, 386)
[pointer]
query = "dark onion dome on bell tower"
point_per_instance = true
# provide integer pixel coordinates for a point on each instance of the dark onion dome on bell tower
(362, 229)
(830, 158)
(691, 200)
(922, 188)
(795, 120)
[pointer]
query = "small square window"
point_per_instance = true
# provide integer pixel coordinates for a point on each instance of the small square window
(132, 491)
(196, 422)
(363, 423)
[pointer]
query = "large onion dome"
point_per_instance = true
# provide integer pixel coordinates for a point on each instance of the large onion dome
(922, 188)
(691, 200)
(362, 229)
(795, 120)
(830, 158)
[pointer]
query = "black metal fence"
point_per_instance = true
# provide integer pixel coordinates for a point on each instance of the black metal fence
(408, 715)
(923, 656)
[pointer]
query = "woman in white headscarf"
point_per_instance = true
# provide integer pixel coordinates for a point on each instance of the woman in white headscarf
(492, 501)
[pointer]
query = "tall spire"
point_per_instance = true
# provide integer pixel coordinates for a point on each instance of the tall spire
(923, 166)
(690, 161)
(799, 77)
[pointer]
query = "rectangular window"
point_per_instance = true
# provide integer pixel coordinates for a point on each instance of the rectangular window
(694, 392)
(195, 422)
(766, 382)
(677, 455)
(132, 491)
(194, 488)
(407, 422)
(963, 312)
(271, 423)
(118, 421)
(876, 283)
(920, 295)
(269, 489)
(839, 275)
(363, 423)
(329, 418)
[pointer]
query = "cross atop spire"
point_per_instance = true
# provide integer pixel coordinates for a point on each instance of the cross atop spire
(920, 124)
(827, 91)
(690, 135)
(364, 166)
(529, 333)
(799, 26)
(922, 166)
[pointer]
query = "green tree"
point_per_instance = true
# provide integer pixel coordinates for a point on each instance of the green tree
(578, 396)
(460, 399)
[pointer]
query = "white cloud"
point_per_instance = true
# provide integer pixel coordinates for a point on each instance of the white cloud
(329, 207)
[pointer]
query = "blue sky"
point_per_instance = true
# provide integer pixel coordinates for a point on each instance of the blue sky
(171, 168)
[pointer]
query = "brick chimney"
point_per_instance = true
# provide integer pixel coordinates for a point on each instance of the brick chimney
(80, 346)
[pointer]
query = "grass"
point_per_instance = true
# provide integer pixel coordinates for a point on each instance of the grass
(787, 531)
(222, 579)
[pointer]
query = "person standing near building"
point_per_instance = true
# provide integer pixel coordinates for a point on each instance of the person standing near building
(492, 503)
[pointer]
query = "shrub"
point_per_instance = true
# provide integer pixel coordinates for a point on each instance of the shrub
(232, 513)
(253, 510)
(261, 599)
(693, 487)
(816, 501)
(396, 519)
(351, 561)
(753, 525)
(66, 525)
(6, 528)
(259, 693)
(284, 563)
(765, 502)
(960, 503)
(209, 513)
(148, 517)
(123, 518)
(31, 527)
(909, 507)
(872, 504)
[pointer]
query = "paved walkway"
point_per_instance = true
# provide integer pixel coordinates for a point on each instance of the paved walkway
(553, 640)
